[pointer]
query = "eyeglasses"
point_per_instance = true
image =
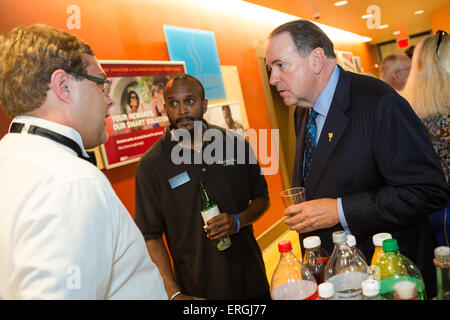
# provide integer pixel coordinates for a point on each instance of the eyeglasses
(440, 34)
(106, 84)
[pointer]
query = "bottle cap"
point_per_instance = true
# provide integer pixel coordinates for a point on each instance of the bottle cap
(326, 290)
(311, 242)
(379, 237)
(284, 246)
(351, 240)
(339, 236)
(405, 289)
(442, 254)
(370, 287)
(390, 245)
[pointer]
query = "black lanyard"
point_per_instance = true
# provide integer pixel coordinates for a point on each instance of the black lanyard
(17, 127)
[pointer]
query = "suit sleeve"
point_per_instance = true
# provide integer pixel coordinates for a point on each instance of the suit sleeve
(414, 181)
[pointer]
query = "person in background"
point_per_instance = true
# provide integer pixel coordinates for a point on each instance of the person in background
(132, 102)
(168, 202)
(394, 70)
(428, 92)
(64, 232)
(158, 84)
(231, 123)
(362, 154)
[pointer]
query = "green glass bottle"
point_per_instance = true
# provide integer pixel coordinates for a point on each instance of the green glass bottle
(394, 267)
(442, 262)
(210, 210)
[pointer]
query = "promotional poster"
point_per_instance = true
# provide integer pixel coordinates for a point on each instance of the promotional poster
(137, 118)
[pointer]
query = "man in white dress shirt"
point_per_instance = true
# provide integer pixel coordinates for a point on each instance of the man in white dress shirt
(64, 233)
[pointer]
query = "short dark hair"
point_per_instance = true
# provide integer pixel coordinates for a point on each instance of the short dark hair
(185, 76)
(307, 37)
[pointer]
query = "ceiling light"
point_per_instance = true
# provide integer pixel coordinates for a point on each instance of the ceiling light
(383, 26)
(419, 12)
(396, 33)
(340, 3)
(367, 16)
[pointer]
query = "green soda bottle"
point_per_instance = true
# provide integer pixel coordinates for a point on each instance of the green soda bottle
(394, 267)
(210, 210)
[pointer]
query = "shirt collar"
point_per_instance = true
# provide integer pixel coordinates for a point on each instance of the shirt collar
(53, 126)
(323, 103)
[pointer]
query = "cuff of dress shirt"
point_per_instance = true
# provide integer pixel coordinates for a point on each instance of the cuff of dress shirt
(342, 216)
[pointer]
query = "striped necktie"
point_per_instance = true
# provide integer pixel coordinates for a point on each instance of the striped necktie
(310, 144)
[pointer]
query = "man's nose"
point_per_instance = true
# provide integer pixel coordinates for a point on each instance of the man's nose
(182, 109)
(109, 102)
(274, 79)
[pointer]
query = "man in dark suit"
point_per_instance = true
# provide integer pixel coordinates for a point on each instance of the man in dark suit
(367, 163)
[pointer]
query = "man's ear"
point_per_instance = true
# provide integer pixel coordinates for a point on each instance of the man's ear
(317, 57)
(395, 76)
(60, 84)
(204, 105)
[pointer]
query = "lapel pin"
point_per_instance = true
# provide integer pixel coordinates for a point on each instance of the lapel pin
(330, 136)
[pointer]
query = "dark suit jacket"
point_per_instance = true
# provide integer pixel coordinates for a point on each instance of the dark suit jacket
(382, 164)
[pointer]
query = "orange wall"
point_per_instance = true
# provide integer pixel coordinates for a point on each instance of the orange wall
(440, 20)
(132, 30)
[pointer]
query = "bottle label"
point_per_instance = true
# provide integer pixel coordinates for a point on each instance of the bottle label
(323, 260)
(352, 294)
(210, 213)
(348, 285)
(412, 298)
(296, 290)
(387, 291)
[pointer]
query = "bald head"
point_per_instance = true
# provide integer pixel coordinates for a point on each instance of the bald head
(394, 70)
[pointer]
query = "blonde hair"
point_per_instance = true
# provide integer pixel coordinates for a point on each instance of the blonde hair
(28, 57)
(428, 86)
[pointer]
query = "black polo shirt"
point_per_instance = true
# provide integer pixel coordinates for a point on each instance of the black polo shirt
(200, 269)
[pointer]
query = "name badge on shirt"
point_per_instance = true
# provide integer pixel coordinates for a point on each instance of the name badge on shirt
(227, 162)
(179, 180)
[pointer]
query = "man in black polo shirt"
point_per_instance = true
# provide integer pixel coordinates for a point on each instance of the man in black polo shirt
(168, 202)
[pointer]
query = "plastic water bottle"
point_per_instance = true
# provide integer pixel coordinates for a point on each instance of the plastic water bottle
(315, 257)
(291, 280)
(351, 241)
(326, 291)
(394, 267)
(344, 270)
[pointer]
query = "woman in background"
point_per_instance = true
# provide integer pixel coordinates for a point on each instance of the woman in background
(428, 91)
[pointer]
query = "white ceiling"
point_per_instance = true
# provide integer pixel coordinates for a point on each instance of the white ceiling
(398, 14)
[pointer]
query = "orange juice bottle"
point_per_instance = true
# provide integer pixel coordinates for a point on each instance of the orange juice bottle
(378, 243)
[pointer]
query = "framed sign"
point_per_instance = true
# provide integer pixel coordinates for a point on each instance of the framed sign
(345, 60)
(228, 115)
(198, 49)
(137, 118)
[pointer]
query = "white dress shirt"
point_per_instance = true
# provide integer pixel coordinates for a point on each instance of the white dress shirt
(64, 233)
